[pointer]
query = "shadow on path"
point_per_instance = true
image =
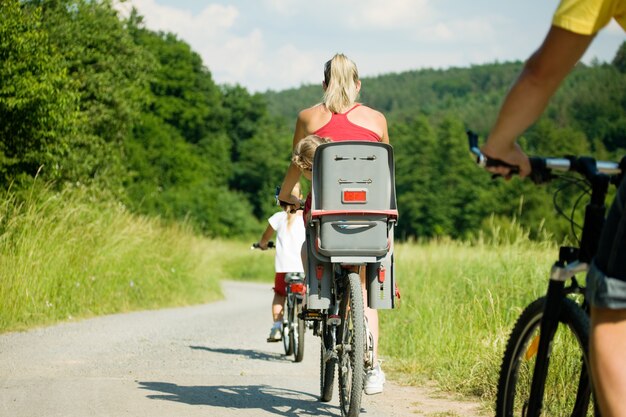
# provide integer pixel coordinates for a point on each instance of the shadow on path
(252, 354)
(278, 401)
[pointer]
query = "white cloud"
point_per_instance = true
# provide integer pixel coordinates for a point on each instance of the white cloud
(463, 31)
(389, 14)
(281, 44)
(283, 7)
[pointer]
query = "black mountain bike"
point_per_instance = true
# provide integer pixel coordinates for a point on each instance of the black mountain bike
(345, 342)
(545, 368)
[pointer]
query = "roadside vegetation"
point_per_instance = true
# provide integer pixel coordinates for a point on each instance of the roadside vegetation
(130, 180)
(66, 255)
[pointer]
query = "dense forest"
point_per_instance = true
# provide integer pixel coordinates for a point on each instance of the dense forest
(91, 99)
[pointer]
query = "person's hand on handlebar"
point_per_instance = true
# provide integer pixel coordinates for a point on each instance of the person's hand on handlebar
(503, 157)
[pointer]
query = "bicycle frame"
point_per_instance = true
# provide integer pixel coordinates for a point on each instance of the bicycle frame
(571, 261)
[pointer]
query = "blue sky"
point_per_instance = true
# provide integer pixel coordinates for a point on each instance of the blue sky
(278, 44)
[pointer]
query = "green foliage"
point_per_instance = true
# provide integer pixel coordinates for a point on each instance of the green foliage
(37, 100)
(87, 97)
(620, 58)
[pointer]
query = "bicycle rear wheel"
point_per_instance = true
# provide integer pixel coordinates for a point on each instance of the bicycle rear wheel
(298, 333)
(327, 365)
(288, 325)
(351, 347)
(567, 384)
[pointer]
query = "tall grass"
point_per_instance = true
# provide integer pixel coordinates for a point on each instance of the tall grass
(65, 255)
(459, 302)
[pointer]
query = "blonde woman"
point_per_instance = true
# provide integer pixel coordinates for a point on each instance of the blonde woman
(340, 117)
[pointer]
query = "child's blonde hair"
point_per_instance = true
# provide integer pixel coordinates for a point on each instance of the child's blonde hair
(305, 150)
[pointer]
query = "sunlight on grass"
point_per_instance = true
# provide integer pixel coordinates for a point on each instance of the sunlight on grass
(65, 255)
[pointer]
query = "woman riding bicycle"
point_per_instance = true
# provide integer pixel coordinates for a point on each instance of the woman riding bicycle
(339, 117)
(574, 26)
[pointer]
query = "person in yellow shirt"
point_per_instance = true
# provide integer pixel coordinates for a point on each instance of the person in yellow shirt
(574, 25)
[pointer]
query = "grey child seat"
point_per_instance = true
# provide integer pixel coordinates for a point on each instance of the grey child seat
(353, 214)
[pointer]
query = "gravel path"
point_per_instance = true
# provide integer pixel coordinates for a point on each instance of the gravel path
(209, 360)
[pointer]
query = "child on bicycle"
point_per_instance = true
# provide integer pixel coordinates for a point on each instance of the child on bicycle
(290, 236)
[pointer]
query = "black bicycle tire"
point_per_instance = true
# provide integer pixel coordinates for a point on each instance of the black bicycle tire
(327, 368)
(574, 320)
(351, 363)
(287, 333)
(298, 347)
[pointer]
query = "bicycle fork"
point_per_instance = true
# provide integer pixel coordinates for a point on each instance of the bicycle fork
(564, 269)
(548, 326)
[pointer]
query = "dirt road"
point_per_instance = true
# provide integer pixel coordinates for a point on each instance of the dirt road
(210, 360)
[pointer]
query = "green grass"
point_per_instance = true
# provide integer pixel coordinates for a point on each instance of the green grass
(66, 256)
(459, 302)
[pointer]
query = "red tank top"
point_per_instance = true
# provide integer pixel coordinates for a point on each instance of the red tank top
(339, 128)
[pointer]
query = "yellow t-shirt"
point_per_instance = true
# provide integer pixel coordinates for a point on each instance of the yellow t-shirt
(587, 17)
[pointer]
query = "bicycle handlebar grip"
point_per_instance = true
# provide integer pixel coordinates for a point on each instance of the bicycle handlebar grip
(255, 245)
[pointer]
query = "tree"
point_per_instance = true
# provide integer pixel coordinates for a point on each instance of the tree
(38, 104)
(109, 72)
(620, 58)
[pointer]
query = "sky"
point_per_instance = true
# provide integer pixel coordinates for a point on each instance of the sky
(279, 44)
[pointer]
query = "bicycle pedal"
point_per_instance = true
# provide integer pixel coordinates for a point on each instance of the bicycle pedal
(313, 315)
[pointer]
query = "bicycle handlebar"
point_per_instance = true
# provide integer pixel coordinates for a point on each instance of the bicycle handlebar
(270, 245)
(542, 167)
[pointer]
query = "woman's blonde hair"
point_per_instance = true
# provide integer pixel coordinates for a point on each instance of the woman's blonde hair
(305, 150)
(341, 78)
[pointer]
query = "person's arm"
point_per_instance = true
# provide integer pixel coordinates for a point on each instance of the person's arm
(530, 94)
(385, 137)
(265, 238)
(293, 173)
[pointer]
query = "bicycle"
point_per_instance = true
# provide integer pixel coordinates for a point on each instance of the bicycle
(350, 232)
(293, 325)
(554, 329)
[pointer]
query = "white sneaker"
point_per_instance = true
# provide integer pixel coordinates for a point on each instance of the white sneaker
(374, 381)
(276, 334)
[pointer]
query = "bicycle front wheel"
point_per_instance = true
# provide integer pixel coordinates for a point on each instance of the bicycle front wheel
(351, 347)
(567, 383)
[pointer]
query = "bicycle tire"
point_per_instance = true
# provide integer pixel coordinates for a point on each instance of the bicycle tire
(351, 344)
(288, 326)
(327, 367)
(298, 340)
(567, 385)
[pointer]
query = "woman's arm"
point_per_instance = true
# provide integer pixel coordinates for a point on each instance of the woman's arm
(293, 173)
(385, 137)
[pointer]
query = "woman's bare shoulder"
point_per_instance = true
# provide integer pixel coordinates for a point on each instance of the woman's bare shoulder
(372, 112)
(314, 117)
(312, 111)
